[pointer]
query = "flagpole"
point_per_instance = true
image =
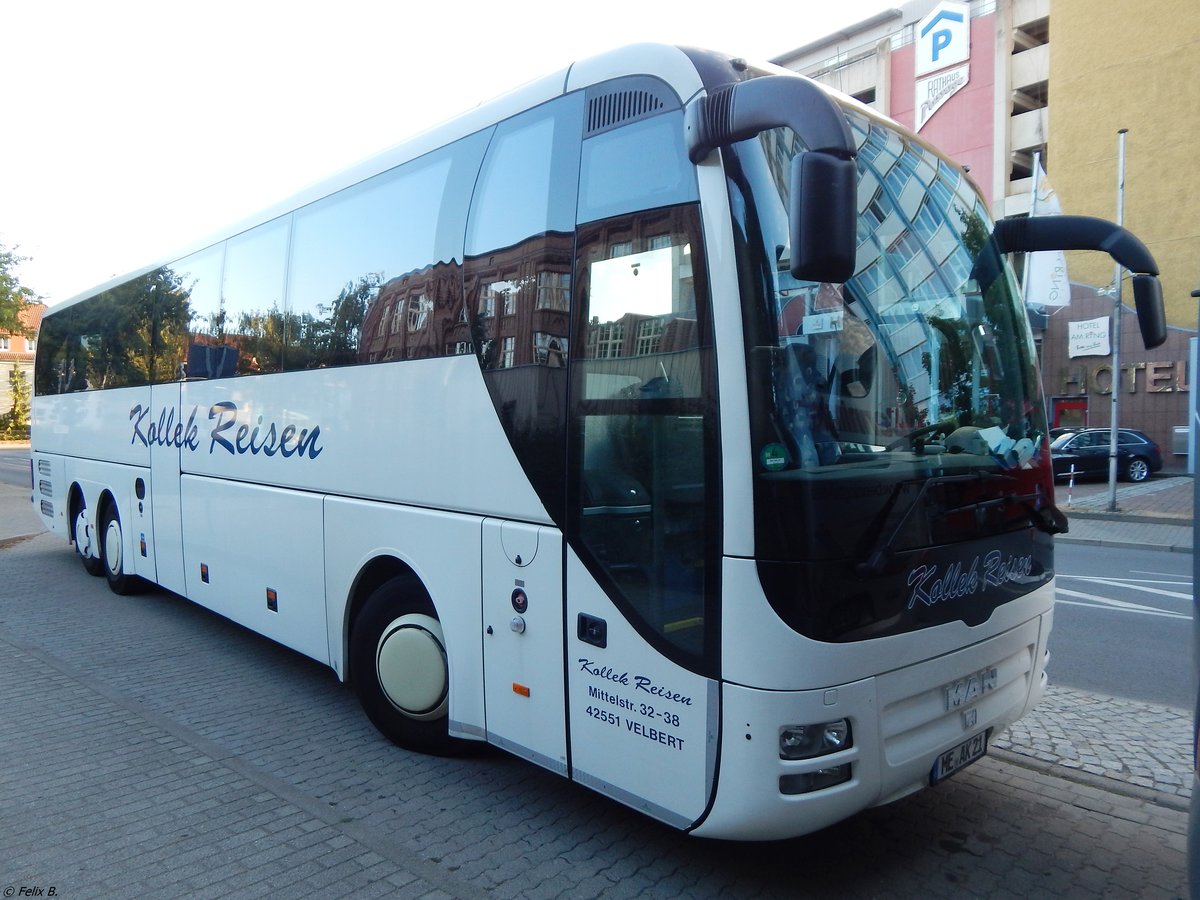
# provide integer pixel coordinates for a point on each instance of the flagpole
(1037, 179)
(1116, 353)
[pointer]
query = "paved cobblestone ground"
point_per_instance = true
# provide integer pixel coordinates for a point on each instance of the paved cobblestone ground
(1132, 744)
(149, 747)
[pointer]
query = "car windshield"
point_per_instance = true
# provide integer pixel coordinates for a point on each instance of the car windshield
(901, 409)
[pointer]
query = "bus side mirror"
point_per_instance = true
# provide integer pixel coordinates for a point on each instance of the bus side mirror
(823, 200)
(1029, 235)
(822, 209)
(1148, 301)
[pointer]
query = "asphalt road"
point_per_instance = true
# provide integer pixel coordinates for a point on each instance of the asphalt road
(1123, 623)
(14, 467)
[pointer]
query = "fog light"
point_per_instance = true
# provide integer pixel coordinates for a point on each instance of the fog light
(807, 741)
(807, 782)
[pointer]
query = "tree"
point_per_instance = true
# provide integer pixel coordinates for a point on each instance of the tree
(14, 424)
(13, 296)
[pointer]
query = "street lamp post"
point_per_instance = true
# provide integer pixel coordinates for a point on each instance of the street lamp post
(1193, 843)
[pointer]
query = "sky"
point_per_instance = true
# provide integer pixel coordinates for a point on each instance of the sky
(133, 129)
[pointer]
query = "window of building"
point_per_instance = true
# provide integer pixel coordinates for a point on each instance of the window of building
(553, 290)
(419, 308)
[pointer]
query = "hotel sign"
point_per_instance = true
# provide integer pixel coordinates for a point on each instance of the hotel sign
(1088, 337)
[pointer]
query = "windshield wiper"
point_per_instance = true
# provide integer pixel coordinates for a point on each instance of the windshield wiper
(1043, 514)
(875, 560)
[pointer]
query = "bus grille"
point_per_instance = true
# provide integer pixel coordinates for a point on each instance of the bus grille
(936, 704)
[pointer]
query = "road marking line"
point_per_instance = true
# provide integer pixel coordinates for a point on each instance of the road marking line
(1098, 602)
(1117, 582)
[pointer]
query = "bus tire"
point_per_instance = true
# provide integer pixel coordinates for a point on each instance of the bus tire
(112, 552)
(82, 535)
(400, 670)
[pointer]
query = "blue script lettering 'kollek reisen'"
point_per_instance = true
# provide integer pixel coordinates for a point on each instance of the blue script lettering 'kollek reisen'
(265, 438)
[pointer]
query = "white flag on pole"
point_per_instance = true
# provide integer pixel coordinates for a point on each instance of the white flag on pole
(1046, 282)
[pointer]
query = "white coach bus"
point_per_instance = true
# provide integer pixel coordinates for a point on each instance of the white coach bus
(673, 423)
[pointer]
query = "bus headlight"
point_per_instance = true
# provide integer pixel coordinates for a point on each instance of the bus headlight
(807, 741)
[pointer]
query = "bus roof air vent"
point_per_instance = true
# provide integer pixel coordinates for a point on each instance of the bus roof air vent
(616, 103)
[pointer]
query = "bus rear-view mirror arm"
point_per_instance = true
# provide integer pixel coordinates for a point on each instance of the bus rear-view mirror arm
(822, 202)
(1028, 235)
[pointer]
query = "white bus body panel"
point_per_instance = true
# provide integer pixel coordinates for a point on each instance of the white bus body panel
(86, 434)
(91, 425)
(379, 436)
(650, 739)
(670, 64)
(523, 641)
(737, 465)
(900, 722)
(443, 550)
(245, 543)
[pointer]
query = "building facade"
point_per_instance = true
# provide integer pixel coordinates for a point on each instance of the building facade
(975, 79)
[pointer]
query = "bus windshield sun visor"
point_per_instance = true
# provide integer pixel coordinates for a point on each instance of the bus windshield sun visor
(1029, 235)
(822, 204)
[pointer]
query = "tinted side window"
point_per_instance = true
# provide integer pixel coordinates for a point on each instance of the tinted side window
(253, 317)
(527, 186)
(106, 341)
(518, 282)
(131, 335)
(190, 323)
(50, 375)
(376, 270)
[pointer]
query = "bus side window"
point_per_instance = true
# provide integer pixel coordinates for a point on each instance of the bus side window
(376, 269)
(189, 316)
(50, 372)
(254, 323)
(520, 237)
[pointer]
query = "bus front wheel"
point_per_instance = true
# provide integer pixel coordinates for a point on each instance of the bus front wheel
(400, 671)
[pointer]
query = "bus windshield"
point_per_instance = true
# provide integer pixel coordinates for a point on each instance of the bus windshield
(902, 409)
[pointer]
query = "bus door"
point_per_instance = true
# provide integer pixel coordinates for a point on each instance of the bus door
(523, 641)
(642, 518)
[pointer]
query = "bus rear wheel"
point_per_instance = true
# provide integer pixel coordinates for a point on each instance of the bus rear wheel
(400, 671)
(112, 552)
(83, 536)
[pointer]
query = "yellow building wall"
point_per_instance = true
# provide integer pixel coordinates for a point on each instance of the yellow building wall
(1130, 64)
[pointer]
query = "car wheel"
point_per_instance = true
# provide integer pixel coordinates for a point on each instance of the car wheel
(1137, 469)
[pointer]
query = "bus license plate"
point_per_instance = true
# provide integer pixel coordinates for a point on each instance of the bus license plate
(959, 757)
